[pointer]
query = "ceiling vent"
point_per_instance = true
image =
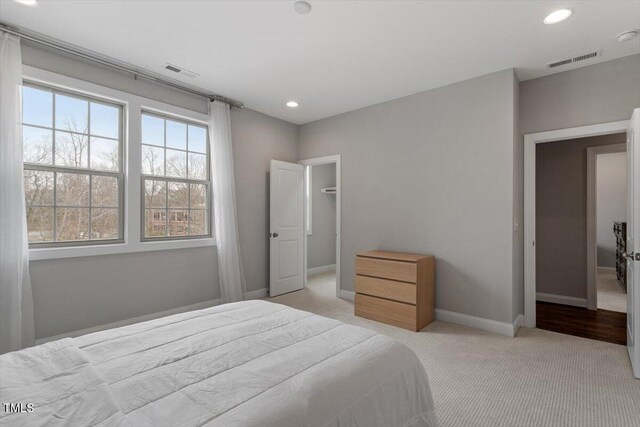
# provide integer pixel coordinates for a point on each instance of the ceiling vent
(180, 71)
(577, 58)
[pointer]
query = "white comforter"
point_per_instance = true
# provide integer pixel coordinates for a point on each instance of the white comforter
(252, 363)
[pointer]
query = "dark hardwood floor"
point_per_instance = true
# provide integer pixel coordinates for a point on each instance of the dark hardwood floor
(602, 325)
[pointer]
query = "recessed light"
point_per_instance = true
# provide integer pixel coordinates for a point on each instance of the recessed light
(302, 7)
(292, 104)
(30, 3)
(557, 16)
(627, 35)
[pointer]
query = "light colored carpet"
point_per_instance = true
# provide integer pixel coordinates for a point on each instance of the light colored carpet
(610, 294)
(538, 378)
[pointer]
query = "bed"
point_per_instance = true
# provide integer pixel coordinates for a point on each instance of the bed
(252, 363)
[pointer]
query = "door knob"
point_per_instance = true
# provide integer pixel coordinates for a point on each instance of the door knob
(632, 256)
(273, 234)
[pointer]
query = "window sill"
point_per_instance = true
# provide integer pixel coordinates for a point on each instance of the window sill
(117, 248)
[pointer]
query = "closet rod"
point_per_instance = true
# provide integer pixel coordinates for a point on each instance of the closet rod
(111, 63)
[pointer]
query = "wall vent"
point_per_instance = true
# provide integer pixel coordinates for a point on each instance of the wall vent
(576, 58)
(585, 56)
(180, 71)
(559, 63)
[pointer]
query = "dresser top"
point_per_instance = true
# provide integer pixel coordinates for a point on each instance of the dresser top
(395, 256)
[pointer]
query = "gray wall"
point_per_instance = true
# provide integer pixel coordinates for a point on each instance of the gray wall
(432, 173)
(73, 294)
(611, 203)
(321, 244)
(600, 93)
(77, 293)
(561, 214)
(257, 138)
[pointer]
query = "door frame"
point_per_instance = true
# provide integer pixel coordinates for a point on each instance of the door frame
(592, 217)
(530, 141)
(317, 161)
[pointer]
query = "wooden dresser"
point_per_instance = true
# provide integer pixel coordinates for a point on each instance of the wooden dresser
(395, 288)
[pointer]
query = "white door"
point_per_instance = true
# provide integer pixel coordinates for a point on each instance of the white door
(287, 227)
(633, 241)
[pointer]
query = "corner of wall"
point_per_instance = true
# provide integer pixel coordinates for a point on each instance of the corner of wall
(518, 206)
(298, 142)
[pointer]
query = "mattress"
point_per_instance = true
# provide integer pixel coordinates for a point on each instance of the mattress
(252, 363)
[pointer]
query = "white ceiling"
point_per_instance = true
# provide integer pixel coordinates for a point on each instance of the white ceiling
(342, 56)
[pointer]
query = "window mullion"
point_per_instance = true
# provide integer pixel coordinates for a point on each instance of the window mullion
(90, 206)
(186, 129)
(188, 206)
(53, 126)
(54, 237)
(172, 179)
(88, 135)
(63, 169)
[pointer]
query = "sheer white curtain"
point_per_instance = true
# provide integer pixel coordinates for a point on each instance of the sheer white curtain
(232, 282)
(16, 306)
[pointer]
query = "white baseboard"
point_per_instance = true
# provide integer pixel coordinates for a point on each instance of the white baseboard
(561, 299)
(321, 269)
(517, 324)
(257, 294)
(606, 269)
(502, 328)
(348, 295)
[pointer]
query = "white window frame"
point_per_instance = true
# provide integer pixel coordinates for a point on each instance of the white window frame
(132, 151)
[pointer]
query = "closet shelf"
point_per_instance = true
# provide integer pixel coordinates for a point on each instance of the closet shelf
(328, 190)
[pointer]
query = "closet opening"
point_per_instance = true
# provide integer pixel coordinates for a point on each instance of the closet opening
(322, 225)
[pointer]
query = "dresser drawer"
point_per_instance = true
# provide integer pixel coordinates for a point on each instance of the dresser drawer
(394, 270)
(398, 313)
(384, 288)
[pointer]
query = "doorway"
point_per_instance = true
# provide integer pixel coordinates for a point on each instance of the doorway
(322, 191)
(291, 218)
(531, 142)
(580, 193)
(607, 190)
(632, 254)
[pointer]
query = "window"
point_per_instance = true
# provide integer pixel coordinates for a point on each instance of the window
(84, 165)
(73, 174)
(175, 178)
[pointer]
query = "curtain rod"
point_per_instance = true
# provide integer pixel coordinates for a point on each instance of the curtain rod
(54, 44)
